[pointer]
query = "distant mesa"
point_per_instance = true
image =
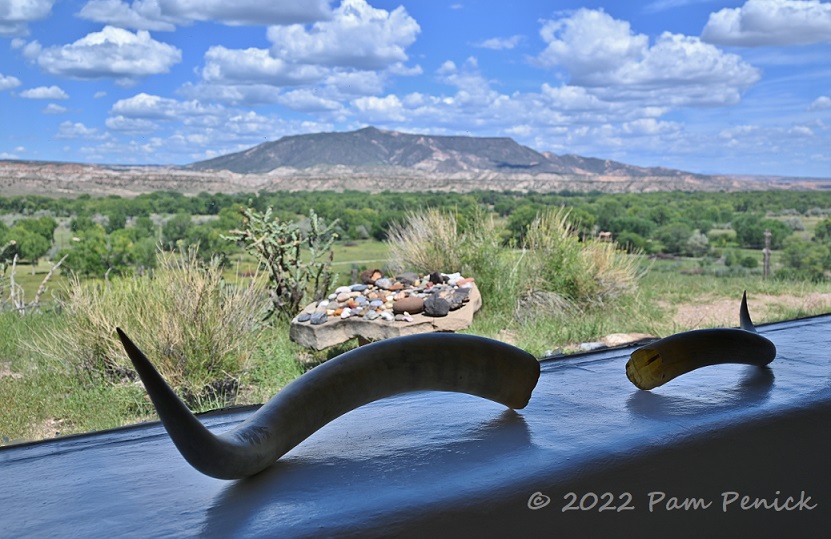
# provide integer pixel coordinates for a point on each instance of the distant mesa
(370, 148)
(373, 160)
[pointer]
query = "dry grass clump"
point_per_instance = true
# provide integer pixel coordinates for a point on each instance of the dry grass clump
(426, 241)
(197, 329)
(554, 272)
(588, 273)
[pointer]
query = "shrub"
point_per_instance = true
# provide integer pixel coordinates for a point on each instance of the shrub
(196, 328)
(589, 273)
(433, 240)
(426, 241)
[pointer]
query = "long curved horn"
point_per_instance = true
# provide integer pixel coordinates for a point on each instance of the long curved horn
(442, 362)
(659, 362)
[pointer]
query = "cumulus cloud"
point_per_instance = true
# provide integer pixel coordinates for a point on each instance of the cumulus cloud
(52, 108)
(111, 53)
(606, 56)
(308, 100)
(252, 66)
(351, 83)
(387, 108)
(70, 130)
(16, 14)
(313, 58)
(134, 126)
(7, 82)
(249, 94)
(44, 92)
(501, 43)
(770, 22)
(167, 14)
(149, 106)
(821, 103)
(357, 36)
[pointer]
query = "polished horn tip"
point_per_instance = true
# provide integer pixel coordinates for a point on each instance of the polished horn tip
(745, 321)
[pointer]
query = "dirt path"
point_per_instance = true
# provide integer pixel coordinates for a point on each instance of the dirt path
(712, 312)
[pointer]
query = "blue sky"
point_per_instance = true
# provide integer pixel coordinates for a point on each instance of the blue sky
(706, 86)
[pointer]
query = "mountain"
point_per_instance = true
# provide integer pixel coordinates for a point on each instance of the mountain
(370, 148)
(373, 160)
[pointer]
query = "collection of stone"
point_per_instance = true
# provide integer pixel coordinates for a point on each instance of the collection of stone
(392, 299)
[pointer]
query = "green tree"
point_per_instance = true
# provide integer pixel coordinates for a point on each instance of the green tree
(144, 227)
(43, 226)
(805, 260)
(674, 237)
(116, 220)
(750, 231)
(31, 246)
(176, 228)
(82, 223)
(88, 253)
(822, 231)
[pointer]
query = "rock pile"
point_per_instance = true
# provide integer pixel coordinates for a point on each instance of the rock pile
(391, 299)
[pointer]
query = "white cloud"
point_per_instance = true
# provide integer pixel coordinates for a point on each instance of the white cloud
(110, 53)
(801, 131)
(52, 108)
(357, 36)
(44, 92)
(308, 101)
(821, 103)
(603, 55)
(148, 106)
(99, 94)
(473, 88)
(69, 130)
(249, 94)
(387, 108)
(136, 126)
(501, 43)
(167, 14)
(7, 82)
(590, 44)
(770, 22)
(355, 82)
(255, 66)
(16, 14)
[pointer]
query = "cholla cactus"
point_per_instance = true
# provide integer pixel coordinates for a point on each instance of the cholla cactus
(280, 246)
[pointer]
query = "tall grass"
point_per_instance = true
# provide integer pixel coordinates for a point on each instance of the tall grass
(433, 240)
(553, 276)
(588, 273)
(197, 329)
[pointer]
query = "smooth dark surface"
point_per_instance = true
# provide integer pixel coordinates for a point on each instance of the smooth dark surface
(447, 464)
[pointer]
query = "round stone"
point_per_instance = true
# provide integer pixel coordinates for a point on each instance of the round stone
(411, 304)
(319, 318)
(358, 287)
(436, 306)
(383, 283)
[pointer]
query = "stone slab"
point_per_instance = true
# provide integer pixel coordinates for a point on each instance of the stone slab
(336, 330)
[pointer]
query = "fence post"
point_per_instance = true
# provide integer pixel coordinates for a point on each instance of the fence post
(766, 256)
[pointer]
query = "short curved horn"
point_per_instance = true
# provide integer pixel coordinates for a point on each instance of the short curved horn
(659, 362)
(439, 361)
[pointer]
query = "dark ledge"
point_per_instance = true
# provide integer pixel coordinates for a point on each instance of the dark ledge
(445, 464)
